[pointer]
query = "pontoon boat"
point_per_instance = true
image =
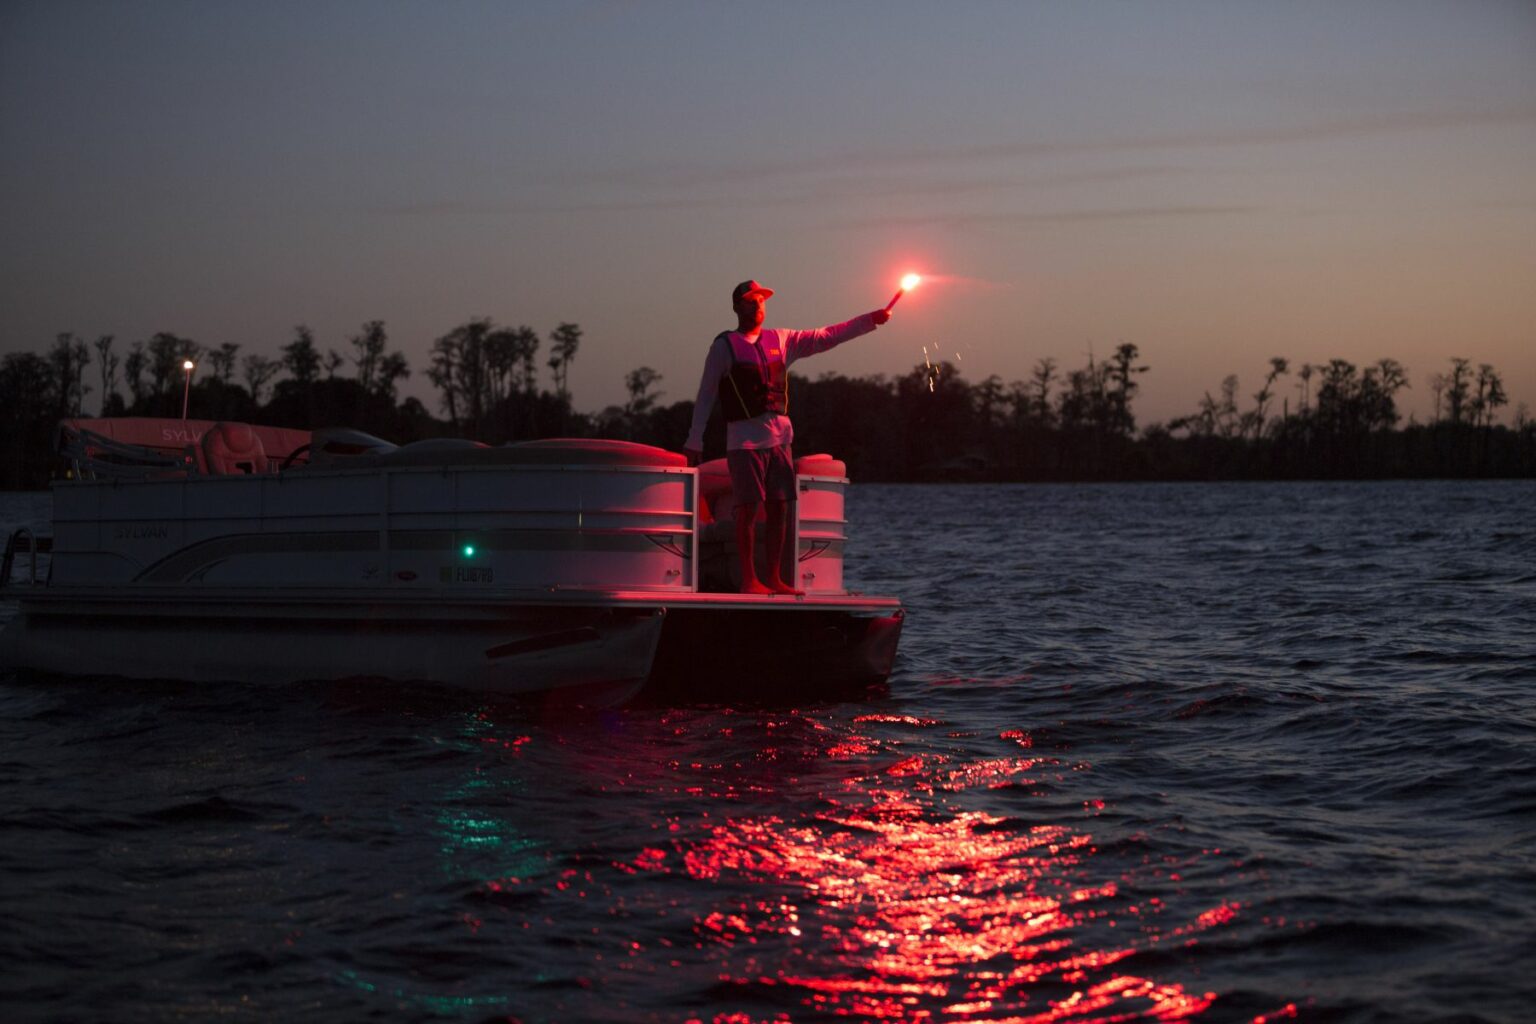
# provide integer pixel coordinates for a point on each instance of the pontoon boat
(202, 551)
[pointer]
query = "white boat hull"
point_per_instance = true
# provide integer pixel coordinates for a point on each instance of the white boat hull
(604, 647)
(503, 648)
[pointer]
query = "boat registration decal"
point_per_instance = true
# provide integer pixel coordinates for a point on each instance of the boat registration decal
(465, 574)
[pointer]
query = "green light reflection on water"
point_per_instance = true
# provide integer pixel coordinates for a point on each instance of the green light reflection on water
(474, 834)
(475, 844)
(471, 831)
(431, 1003)
(478, 839)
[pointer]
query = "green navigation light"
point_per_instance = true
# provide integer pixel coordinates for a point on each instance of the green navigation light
(469, 551)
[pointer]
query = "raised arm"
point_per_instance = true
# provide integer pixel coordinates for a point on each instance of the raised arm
(799, 344)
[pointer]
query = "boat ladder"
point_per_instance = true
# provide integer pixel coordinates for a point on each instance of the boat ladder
(35, 546)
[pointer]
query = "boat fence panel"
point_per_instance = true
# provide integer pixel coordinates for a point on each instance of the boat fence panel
(501, 527)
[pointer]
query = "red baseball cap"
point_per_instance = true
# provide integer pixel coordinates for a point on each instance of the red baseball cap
(750, 288)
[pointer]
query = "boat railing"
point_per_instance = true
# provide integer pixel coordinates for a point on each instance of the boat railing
(134, 448)
(94, 456)
(36, 545)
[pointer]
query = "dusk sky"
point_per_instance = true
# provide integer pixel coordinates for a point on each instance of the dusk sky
(1217, 183)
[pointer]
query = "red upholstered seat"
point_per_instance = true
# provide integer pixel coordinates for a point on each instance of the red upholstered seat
(232, 449)
(715, 482)
(714, 488)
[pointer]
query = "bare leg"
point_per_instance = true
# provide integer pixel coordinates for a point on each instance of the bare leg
(750, 584)
(778, 532)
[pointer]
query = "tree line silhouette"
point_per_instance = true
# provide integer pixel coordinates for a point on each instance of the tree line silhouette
(928, 424)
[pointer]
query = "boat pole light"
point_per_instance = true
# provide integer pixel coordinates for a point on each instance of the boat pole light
(186, 391)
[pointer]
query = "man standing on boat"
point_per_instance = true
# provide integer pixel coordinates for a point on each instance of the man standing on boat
(747, 370)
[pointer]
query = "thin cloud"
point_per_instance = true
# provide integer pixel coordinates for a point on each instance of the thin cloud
(458, 209)
(1511, 204)
(911, 173)
(1058, 217)
(692, 176)
(432, 208)
(1361, 127)
(863, 187)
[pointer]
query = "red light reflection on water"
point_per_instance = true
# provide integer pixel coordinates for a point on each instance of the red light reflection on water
(888, 905)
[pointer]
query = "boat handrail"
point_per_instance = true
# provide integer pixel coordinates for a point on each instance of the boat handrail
(128, 449)
(97, 456)
(35, 546)
(135, 448)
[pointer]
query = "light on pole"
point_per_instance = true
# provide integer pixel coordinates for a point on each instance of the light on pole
(186, 391)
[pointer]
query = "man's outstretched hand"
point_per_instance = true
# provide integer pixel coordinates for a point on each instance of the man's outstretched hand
(881, 316)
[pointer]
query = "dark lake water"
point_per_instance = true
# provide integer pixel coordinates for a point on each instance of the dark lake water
(1217, 752)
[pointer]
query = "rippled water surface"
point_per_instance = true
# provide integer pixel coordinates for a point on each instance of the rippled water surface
(1214, 752)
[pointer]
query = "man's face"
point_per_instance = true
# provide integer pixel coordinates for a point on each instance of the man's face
(749, 310)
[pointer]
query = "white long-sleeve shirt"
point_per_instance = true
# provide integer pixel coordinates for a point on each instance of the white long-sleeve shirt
(771, 428)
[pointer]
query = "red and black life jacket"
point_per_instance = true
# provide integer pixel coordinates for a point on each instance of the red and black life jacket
(753, 388)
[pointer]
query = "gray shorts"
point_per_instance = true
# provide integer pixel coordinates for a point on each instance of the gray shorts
(761, 474)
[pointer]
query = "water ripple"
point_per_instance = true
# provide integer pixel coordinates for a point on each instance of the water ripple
(1224, 752)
